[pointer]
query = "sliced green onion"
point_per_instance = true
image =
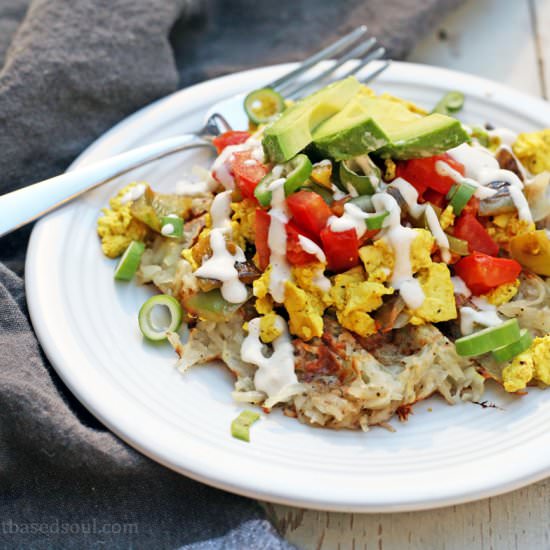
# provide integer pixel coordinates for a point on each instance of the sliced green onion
(375, 221)
(298, 170)
(505, 353)
(263, 105)
(364, 202)
(211, 306)
(171, 226)
(451, 102)
(481, 135)
(129, 262)
(458, 246)
(158, 316)
(488, 339)
(240, 427)
(349, 176)
(459, 195)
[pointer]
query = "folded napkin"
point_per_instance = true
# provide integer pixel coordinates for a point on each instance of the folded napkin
(72, 69)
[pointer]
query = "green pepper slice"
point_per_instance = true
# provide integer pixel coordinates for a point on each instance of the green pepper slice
(298, 170)
(210, 306)
(364, 184)
(295, 172)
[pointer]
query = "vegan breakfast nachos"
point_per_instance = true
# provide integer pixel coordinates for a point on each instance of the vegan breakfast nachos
(349, 256)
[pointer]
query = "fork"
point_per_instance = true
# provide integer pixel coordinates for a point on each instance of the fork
(32, 202)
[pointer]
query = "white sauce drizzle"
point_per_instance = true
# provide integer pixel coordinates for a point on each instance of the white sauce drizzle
(221, 265)
(167, 229)
(221, 166)
(460, 287)
(400, 239)
(321, 281)
(486, 316)
(220, 210)
(410, 194)
(312, 248)
(134, 193)
(482, 168)
(275, 373)
(276, 240)
(352, 218)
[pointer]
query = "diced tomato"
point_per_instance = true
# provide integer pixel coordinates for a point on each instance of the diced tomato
(310, 212)
(247, 172)
(233, 137)
(295, 254)
(369, 234)
(469, 229)
(472, 206)
(261, 232)
(482, 273)
(422, 174)
(341, 248)
(434, 197)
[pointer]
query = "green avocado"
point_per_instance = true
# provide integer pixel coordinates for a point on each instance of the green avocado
(428, 136)
(350, 133)
(387, 129)
(291, 132)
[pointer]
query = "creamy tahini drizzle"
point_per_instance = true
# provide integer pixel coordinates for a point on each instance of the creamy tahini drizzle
(275, 373)
(312, 248)
(486, 315)
(459, 287)
(134, 193)
(352, 218)
(276, 240)
(400, 239)
(221, 265)
(410, 195)
(482, 168)
(223, 161)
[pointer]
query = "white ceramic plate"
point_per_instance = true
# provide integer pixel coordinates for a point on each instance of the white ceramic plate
(87, 325)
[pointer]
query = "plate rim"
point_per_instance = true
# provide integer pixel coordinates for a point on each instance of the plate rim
(94, 405)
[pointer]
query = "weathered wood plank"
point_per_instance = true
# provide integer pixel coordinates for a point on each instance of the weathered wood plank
(514, 521)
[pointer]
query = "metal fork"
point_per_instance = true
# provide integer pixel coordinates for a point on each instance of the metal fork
(32, 202)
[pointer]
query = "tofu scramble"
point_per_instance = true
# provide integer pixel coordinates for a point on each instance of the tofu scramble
(350, 255)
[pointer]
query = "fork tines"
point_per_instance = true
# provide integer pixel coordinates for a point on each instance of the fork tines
(353, 46)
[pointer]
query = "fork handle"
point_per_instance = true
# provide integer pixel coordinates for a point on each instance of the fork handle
(30, 203)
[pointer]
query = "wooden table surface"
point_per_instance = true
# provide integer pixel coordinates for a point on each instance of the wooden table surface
(504, 40)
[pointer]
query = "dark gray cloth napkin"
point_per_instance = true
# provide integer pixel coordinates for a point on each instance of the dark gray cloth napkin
(71, 69)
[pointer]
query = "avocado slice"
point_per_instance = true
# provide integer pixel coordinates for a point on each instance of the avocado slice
(350, 133)
(387, 128)
(430, 135)
(291, 132)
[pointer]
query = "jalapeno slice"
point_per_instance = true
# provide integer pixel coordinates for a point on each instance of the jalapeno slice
(263, 105)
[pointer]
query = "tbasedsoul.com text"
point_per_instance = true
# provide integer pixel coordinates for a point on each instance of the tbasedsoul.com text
(55, 527)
